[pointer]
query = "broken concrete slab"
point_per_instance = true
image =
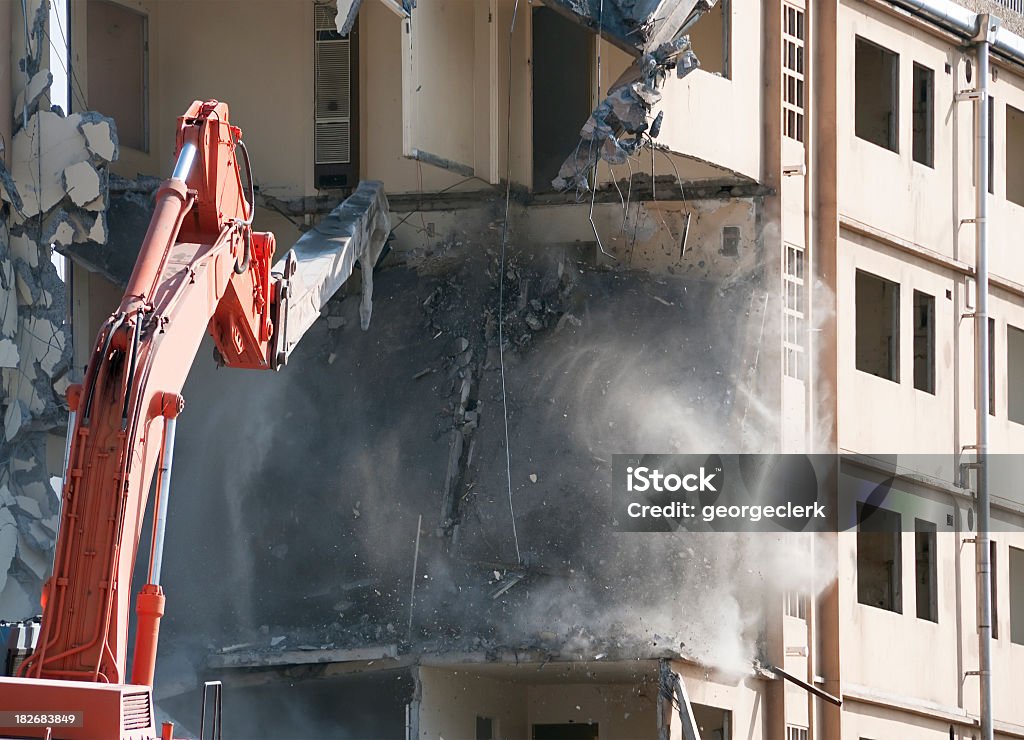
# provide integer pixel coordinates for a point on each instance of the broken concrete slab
(348, 13)
(27, 100)
(100, 136)
(24, 283)
(256, 659)
(56, 185)
(9, 318)
(123, 228)
(16, 600)
(64, 227)
(326, 255)
(8, 353)
(24, 248)
(8, 543)
(30, 556)
(98, 232)
(44, 343)
(9, 189)
(636, 26)
(99, 204)
(81, 183)
(41, 152)
(28, 506)
(17, 412)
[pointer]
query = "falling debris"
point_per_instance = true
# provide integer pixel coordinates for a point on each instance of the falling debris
(636, 27)
(617, 127)
(510, 580)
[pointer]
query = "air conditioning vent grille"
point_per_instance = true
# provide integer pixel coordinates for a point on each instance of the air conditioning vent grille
(323, 17)
(137, 711)
(333, 80)
(333, 143)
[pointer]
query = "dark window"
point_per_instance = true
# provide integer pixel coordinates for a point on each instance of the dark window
(484, 728)
(991, 144)
(925, 570)
(876, 118)
(877, 325)
(568, 731)
(1015, 155)
(924, 342)
(924, 115)
(730, 241)
(562, 89)
(712, 723)
(993, 573)
(991, 367)
(711, 39)
(1017, 596)
(878, 558)
(1015, 373)
(117, 54)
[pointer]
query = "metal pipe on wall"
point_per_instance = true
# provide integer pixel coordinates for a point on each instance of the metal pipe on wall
(965, 23)
(983, 31)
(981, 375)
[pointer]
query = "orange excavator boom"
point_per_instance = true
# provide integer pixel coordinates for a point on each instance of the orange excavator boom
(201, 268)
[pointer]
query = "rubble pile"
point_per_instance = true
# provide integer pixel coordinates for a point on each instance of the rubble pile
(535, 300)
(54, 193)
(321, 530)
(617, 128)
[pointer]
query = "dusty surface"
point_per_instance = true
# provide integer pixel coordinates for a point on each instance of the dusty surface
(296, 496)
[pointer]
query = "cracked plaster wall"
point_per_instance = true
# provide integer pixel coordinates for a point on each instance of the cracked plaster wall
(53, 186)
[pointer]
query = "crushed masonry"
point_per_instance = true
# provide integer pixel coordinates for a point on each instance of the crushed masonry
(52, 194)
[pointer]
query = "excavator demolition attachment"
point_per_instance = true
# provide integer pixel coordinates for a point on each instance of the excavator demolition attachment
(201, 268)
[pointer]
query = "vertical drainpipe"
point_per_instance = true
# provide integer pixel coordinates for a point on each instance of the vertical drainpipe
(810, 374)
(986, 31)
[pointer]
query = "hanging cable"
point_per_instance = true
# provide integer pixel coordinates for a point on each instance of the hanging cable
(501, 285)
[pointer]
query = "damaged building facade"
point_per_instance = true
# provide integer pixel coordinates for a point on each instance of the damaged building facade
(599, 245)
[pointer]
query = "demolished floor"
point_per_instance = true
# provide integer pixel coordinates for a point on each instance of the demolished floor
(297, 497)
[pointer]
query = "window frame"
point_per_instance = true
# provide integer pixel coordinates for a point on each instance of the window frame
(895, 576)
(144, 119)
(931, 374)
(893, 124)
(860, 362)
(928, 156)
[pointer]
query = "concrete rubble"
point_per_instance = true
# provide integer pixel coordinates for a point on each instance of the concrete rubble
(654, 32)
(348, 12)
(413, 422)
(54, 194)
(637, 26)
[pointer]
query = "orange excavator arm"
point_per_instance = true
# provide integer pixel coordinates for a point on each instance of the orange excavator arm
(200, 266)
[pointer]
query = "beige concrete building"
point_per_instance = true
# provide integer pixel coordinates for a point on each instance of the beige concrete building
(788, 267)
